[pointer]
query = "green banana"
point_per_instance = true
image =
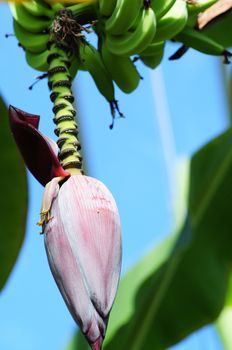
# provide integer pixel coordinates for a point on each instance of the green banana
(153, 54)
(132, 43)
(38, 61)
(36, 8)
(153, 49)
(55, 6)
(152, 61)
(195, 7)
(27, 21)
(160, 7)
(220, 30)
(201, 42)
(31, 41)
(172, 22)
(121, 69)
(91, 61)
(123, 16)
(107, 7)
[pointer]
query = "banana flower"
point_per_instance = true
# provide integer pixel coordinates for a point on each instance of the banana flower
(81, 229)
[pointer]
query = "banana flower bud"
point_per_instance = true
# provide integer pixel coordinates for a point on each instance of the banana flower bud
(81, 229)
(82, 240)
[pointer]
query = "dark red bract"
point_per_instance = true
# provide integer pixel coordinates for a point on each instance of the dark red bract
(35, 149)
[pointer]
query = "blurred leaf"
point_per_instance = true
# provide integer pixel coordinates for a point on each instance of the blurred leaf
(227, 84)
(54, 1)
(13, 204)
(224, 322)
(188, 291)
(166, 296)
(223, 326)
(78, 342)
(182, 188)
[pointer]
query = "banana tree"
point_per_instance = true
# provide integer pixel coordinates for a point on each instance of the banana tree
(57, 40)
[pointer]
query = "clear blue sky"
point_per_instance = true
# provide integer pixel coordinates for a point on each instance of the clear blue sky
(174, 111)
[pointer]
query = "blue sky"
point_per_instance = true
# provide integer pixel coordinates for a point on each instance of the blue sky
(175, 110)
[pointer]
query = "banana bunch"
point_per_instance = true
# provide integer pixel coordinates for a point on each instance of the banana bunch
(138, 28)
(127, 31)
(31, 26)
(32, 23)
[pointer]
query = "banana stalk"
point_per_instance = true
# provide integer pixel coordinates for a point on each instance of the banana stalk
(59, 82)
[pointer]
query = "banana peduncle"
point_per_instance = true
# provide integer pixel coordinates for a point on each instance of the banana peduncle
(59, 82)
(65, 38)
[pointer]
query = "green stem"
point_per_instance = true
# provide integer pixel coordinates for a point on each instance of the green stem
(59, 81)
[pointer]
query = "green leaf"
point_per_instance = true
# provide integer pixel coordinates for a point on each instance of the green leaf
(188, 291)
(223, 327)
(13, 203)
(224, 321)
(78, 342)
(167, 296)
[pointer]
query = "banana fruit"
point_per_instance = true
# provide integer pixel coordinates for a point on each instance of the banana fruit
(38, 61)
(135, 41)
(153, 49)
(106, 7)
(121, 69)
(152, 61)
(34, 42)
(172, 22)
(201, 42)
(160, 7)
(153, 54)
(27, 20)
(123, 16)
(91, 61)
(37, 8)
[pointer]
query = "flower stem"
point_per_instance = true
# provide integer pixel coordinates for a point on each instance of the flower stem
(59, 82)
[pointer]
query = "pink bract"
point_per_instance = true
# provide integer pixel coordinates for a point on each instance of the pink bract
(83, 244)
(37, 150)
